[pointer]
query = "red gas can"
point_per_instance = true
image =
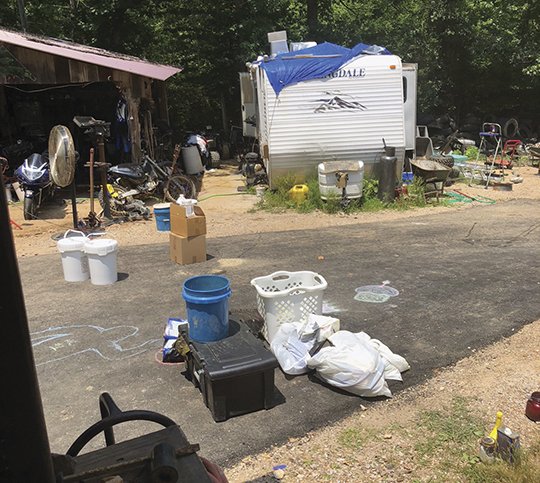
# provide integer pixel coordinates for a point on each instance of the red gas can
(532, 410)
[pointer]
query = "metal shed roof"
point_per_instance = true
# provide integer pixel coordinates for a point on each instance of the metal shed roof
(90, 55)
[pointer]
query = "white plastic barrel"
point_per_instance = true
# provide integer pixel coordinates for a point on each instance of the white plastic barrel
(102, 254)
(188, 204)
(191, 158)
(74, 261)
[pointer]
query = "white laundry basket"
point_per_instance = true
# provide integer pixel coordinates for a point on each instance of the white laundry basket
(284, 297)
(101, 255)
(74, 261)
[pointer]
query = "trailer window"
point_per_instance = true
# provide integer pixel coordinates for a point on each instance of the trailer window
(404, 90)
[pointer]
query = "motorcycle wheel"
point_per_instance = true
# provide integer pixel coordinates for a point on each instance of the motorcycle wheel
(117, 206)
(30, 208)
(179, 185)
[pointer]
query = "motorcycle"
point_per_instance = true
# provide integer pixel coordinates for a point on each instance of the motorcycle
(130, 183)
(34, 177)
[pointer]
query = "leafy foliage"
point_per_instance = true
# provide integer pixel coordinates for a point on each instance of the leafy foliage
(477, 56)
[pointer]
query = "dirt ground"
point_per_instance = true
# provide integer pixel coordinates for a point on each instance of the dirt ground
(229, 213)
(382, 442)
(375, 444)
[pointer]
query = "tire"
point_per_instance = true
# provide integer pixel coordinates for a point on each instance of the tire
(117, 206)
(447, 161)
(179, 185)
(30, 208)
(216, 159)
(511, 129)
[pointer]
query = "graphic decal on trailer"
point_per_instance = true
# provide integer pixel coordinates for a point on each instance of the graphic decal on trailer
(336, 102)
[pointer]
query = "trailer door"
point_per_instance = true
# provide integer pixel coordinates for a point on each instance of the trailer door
(247, 96)
(409, 101)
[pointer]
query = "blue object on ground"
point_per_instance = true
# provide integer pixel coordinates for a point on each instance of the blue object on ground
(162, 214)
(207, 304)
(459, 158)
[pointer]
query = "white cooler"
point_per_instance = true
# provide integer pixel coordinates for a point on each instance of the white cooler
(329, 173)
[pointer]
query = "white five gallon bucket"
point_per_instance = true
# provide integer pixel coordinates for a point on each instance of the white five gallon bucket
(74, 262)
(101, 255)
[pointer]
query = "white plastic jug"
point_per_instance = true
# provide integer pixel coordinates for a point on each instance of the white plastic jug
(74, 261)
(102, 254)
(188, 204)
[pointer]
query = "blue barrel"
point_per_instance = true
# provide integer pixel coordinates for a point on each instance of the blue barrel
(162, 214)
(207, 303)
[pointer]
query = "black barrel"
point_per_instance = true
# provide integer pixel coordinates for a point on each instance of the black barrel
(387, 176)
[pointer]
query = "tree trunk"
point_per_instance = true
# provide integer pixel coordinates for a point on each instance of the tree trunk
(224, 117)
(313, 19)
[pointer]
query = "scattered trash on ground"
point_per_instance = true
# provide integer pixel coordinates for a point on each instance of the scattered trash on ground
(279, 471)
(501, 443)
(532, 410)
(358, 364)
(175, 348)
(293, 342)
(376, 294)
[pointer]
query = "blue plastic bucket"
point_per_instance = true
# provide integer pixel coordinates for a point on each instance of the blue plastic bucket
(162, 214)
(207, 304)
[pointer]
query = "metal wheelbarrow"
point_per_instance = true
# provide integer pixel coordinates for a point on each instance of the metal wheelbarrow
(433, 175)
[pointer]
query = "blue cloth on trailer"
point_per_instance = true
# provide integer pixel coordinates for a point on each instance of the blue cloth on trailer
(292, 67)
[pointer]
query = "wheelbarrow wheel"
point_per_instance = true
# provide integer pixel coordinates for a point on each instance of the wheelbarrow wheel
(447, 161)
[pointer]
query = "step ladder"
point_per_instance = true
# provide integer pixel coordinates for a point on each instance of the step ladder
(490, 145)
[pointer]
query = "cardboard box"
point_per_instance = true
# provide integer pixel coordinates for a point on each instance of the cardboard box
(186, 250)
(187, 226)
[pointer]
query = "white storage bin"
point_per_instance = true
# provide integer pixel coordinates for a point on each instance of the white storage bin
(284, 297)
(329, 175)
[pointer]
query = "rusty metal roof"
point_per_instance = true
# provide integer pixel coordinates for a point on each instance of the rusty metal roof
(90, 55)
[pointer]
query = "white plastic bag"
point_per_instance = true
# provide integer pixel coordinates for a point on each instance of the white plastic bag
(319, 326)
(394, 363)
(352, 364)
(292, 342)
(289, 350)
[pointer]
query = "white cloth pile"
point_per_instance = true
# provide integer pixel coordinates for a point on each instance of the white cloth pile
(352, 361)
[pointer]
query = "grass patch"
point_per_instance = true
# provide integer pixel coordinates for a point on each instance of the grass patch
(451, 435)
(278, 200)
(449, 446)
(355, 438)
(526, 469)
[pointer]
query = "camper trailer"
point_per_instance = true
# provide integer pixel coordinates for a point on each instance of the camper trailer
(342, 115)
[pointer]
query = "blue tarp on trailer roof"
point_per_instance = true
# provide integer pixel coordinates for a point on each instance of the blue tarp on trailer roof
(313, 63)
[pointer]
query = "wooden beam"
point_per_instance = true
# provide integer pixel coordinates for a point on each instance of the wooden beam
(134, 126)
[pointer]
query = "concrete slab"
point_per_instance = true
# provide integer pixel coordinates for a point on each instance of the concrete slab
(466, 279)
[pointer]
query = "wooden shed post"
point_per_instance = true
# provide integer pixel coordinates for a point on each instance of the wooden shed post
(134, 126)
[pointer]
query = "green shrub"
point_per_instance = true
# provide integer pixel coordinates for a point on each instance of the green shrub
(278, 199)
(471, 152)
